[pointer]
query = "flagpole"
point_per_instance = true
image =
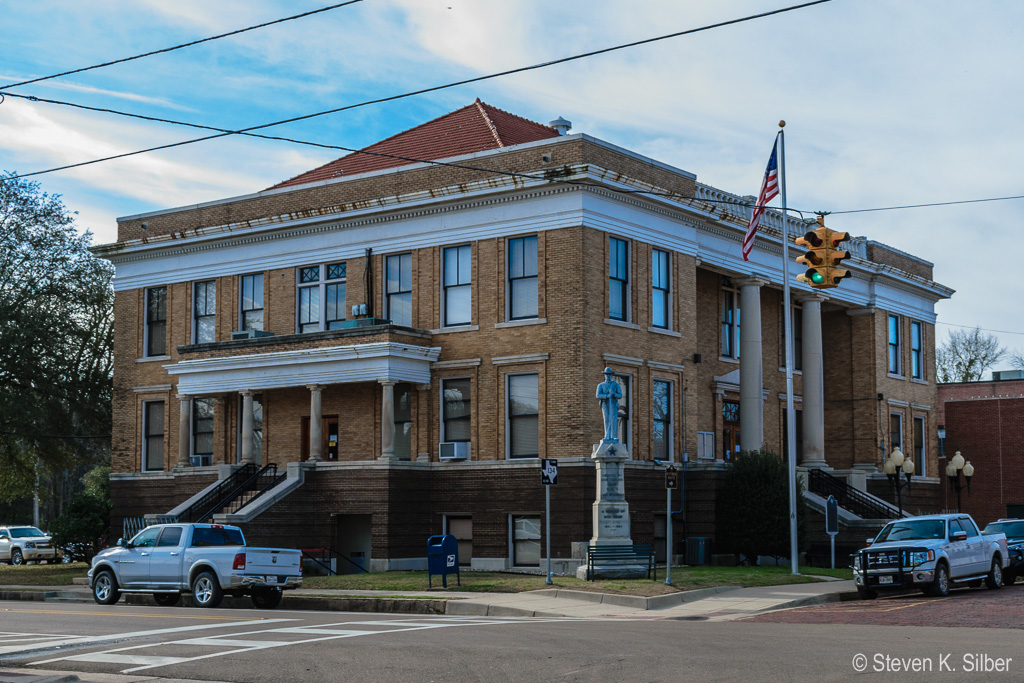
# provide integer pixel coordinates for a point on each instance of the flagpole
(788, 318)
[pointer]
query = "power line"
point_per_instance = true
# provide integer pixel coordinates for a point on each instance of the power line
(178, 47)
(919, 206)
(976, 327)
(423, 91)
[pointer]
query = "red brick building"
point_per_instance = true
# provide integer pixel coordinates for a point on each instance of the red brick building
(406, 330)
(984, 421)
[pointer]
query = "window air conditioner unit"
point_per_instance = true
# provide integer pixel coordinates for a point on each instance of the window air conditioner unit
(454, 450)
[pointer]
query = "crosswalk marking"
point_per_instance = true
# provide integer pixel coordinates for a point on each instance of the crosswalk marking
(217, 641)
(113, 658)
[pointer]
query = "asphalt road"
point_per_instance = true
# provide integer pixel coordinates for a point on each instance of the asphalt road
(275, 646)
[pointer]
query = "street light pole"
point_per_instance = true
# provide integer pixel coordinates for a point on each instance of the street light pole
(953, 469)
(895, 463)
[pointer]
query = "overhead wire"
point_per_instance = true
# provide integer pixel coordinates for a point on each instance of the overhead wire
(422, 91)
(182, 45)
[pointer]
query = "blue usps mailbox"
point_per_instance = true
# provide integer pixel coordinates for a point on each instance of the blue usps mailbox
(443, 558)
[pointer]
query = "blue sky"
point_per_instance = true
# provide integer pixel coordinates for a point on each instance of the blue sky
(887, 102)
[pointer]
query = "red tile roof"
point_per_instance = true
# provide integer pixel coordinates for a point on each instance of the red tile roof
(474, 128)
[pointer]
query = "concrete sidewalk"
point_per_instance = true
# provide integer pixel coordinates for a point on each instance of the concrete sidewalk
(716, 604)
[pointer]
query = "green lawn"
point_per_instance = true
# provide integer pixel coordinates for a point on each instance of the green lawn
(683, 578)
(41, 574)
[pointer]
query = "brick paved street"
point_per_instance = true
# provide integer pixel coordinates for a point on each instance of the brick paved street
(970, 607)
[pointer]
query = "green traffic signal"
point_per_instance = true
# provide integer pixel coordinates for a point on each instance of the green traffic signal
(816, 277)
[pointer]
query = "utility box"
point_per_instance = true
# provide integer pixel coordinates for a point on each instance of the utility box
(443, 559)
(697, 550)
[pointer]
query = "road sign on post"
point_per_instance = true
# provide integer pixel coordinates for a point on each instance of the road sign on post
(832, 524)
(548, 477)
(549, 472)
(671, 478)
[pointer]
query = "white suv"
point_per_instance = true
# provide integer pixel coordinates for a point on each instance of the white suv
(20, 544)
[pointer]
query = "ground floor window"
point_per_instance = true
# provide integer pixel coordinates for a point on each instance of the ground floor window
(461, 527)
(403, 421)
(705, 445)
(525, 540)
(919, 458)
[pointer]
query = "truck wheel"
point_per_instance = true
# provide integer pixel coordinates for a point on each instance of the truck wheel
(206, 590)
(266, 599)
(940, 584)
(995, 575)
(866, 593)
(167, 599)
(16, 556)
(104, 588)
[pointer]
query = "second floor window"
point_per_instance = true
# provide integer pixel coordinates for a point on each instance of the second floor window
(523, 411)
(456, 416)
(894, 345)
(156, 321)
(661, 307)
(522, 278)
(618, 279)
(730, 324)
(458, 279)
(398, 289)
(916, 370)
(251, 302)
(202, 431)
(662, 419)
(204, 311)
(321, 297)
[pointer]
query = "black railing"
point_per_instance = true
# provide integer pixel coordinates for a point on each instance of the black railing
(231, 495)
(322, 557)
(207, 505)
(859, 503)
(266, 479)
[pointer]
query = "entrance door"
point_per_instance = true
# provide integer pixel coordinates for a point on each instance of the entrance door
(730, 429)
(353, 543)
(329, 438)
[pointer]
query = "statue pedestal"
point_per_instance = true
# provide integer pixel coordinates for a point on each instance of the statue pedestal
(611, 512)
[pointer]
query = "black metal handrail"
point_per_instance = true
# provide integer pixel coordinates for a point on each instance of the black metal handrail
(328, 551)
(199, 510)
(268, 479)
(847, 497)
(243, 487)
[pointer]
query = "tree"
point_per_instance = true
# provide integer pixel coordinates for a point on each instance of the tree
(82, 527)
(56, 315)
(966, 355)
(1017, 360)
(753, 513)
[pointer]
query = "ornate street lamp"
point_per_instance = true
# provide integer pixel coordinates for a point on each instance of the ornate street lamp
(892, 467)
(953, 469)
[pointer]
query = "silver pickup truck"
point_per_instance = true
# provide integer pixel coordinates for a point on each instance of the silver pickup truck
(206, 560)
(931, 552)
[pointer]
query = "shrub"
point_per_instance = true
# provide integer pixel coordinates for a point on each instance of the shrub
(82, 528)
(753, 512)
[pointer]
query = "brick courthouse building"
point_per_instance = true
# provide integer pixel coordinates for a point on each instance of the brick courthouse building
(404, 340)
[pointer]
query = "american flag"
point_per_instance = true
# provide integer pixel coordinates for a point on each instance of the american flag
(769, 189)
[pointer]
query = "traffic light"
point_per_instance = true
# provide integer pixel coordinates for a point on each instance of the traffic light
(823, 259)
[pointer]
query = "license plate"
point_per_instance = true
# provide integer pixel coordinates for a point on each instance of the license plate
(884, 579)
(271, 579)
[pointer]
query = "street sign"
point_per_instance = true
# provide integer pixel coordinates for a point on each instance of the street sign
(832, 516)
(548, 472)
(671, 478)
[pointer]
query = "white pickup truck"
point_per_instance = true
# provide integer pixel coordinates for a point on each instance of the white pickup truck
(930, 552)
(206, 560)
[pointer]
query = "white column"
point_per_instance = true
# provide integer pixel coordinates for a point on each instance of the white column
(387, 421)
(184, 431)
(246, 426)
(813, 383)
(751, 382)
(315, 423)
